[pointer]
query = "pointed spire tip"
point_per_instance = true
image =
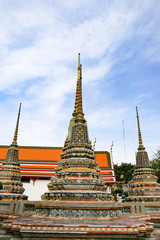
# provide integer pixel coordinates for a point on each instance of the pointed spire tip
(79, 61)
(141, 147)
(78, 110)
(14, 142)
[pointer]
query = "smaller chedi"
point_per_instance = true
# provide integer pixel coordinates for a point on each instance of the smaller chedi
(143, 186)
(77, 174)
(10, 175)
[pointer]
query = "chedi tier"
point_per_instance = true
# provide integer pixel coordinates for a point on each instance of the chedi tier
(77, 173)
(10, 175)
(143, 186)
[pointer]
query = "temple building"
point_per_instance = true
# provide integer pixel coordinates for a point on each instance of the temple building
(38, 164)
(143, 186)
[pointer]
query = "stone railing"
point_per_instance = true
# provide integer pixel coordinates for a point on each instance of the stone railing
(79, 209)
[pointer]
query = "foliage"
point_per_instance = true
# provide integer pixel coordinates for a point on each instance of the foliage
(119, 190)
(125, 194)
(156, 164)
(114, 194)
(124, 172)
(112, 191)
(115, 198)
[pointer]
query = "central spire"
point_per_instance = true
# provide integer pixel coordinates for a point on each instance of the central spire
(77, 174)
(78, 109)
(140, 147)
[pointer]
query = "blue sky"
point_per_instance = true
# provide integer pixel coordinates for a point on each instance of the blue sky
(119, 42)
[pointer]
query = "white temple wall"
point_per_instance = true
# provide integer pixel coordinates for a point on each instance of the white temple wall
(35, 188)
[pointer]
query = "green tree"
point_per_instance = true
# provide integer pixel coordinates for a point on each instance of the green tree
(125, 194)
(156, 164)
(119, 190)
(114, 194)
(124, 172)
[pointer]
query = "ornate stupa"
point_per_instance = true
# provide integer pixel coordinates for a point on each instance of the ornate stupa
(10, 175)
(77, 173)
(144, 186)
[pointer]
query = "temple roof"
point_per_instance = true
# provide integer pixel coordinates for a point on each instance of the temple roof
(41, 161)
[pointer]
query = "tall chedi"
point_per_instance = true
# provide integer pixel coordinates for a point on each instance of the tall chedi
(10, 175)
(144, 186)
(77, 173)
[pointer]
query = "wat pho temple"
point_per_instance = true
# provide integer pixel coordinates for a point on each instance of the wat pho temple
(76, 202)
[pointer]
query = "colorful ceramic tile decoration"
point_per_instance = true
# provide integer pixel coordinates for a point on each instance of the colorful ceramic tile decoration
(10, 175)
(77, 205)
(143, 186)
(77, 174)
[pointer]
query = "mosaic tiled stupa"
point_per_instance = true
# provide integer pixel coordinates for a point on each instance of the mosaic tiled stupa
(75, 210)
(144, 186)
(10, 175)
(77, 173)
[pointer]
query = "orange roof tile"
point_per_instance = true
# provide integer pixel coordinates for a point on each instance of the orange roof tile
(49, 154)
(3, 152)
(39, 154)
(102, 159)
(42, 161)
(42, 154)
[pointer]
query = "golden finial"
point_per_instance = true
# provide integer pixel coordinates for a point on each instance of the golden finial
(78, 111)
(14, 142)
(141, 147)
(79, 62)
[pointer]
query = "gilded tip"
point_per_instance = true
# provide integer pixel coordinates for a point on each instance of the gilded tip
(79, 62)
(14, 142)
(141, 147)
(137, 112)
